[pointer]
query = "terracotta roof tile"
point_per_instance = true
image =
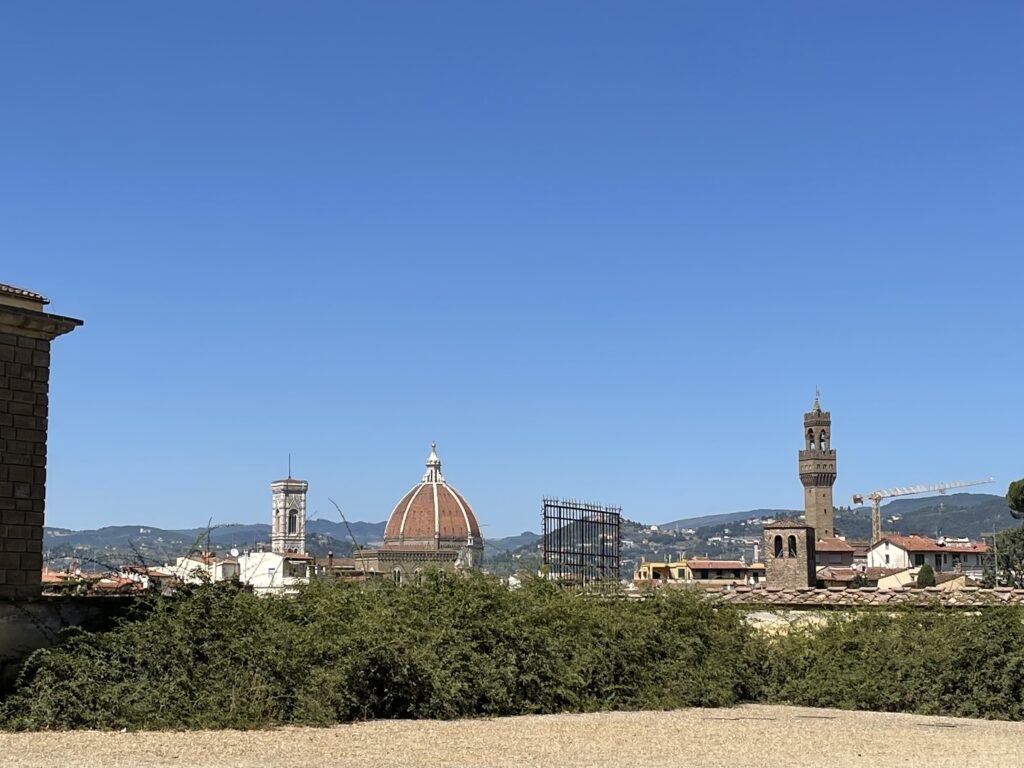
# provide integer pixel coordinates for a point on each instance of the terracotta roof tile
(21, 293)
(915, 543)
(832, 545)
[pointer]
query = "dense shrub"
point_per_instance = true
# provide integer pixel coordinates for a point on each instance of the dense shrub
(926, 661)
(452, 647)
(464, 647)
(926, 576)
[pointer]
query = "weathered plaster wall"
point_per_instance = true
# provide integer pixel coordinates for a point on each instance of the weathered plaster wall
(26, 625)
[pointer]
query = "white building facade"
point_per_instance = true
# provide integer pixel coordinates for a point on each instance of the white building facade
(892, 551)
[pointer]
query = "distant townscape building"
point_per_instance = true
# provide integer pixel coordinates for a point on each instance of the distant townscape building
(701, 571)
(274, 572)
(789, 554)
(286, 565)
(894, 551)
(288, 522)
(818, 470)
(431, 526)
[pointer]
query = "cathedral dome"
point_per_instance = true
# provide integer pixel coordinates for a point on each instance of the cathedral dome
(432, 516)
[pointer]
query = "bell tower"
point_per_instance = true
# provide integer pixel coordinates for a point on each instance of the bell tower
(288, 529)
(818, 470)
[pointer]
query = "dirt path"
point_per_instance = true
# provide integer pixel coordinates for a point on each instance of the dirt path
(709, 738)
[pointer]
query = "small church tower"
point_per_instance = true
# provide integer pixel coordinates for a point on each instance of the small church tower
(818, 470)
(288, 531)
(789, 555)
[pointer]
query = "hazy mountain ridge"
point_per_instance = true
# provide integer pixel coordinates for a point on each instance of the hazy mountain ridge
(115, 545)
(722, 535)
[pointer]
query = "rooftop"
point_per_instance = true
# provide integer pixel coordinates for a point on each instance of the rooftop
(832, 545)
(915, 543)
(21, 293)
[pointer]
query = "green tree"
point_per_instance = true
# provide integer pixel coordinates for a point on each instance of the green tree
(926, 576)
(1009, 550)
(1015, 498)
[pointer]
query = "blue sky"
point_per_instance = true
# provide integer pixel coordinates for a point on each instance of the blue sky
(598, 250)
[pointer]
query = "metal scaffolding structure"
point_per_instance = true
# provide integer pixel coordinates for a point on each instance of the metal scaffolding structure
(581, 542)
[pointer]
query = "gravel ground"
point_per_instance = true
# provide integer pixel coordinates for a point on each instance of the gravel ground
(709, 738)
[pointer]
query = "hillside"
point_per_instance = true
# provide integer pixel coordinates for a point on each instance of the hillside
(728, 535)
(957, 514)
(109, 547)
(728, 517)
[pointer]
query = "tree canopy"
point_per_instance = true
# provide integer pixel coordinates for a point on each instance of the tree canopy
(1015, 498)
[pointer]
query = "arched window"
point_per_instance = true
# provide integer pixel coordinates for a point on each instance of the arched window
(823, 441)
(810, 439)
(417, 576)
(293, 522)
(778, 546)
(397, 576)
(792, 546)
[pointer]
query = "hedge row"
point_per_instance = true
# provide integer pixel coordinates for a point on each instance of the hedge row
(467, 647)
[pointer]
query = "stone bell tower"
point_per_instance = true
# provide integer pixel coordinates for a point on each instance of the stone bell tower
(288, 531)
(818, 470)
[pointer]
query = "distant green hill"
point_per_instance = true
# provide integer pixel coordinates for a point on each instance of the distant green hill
(728, 517)
(957, 514)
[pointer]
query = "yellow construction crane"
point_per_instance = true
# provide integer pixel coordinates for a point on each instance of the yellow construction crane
(876, 498)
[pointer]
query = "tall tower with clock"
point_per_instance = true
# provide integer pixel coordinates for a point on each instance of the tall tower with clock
(818, 470)
(288, 524)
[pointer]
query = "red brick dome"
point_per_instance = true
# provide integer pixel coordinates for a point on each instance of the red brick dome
(432, 515)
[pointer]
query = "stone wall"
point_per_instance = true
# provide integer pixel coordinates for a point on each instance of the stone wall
(26, 625)
(866, 597)
(24, 386)
(25, 335)
(793, 565)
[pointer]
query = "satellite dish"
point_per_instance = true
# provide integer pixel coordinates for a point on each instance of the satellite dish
(234, 552)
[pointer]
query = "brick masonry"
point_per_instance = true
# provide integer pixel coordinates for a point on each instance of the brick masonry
(25, 338)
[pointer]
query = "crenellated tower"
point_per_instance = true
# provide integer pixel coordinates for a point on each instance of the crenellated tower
(818, 470)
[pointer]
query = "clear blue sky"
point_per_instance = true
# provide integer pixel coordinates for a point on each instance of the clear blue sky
(600, 250)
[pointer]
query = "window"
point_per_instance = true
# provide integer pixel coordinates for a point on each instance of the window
(938, 562)
(792, 546)
(778, 546)
(397, 575)
(293, 522)
(918, 559)
(886, 559)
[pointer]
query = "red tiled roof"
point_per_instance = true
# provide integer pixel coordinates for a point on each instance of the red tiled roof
(786, 524)
(832, 545)
(914, 543)
(21, 293)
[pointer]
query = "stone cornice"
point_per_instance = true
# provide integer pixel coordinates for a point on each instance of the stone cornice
(33, 324)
